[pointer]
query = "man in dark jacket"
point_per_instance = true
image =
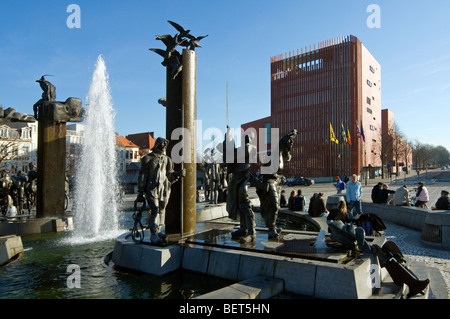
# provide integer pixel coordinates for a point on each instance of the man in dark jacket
(443, 203)
(375, 192)
(299, 201)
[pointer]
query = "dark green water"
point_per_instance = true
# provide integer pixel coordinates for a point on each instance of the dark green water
(41, 272)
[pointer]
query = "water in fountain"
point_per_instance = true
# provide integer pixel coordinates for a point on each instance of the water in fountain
(96, 188)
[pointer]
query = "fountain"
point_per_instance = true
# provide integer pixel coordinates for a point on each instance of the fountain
(96, 187)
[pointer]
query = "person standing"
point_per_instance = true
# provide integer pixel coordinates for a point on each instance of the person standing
(353, 196)
(340, 185)
(422, 196)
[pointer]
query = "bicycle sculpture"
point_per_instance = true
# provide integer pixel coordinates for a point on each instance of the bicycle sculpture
(137, 232)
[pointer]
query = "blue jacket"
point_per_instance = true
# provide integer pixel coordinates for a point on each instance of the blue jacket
(354, 191)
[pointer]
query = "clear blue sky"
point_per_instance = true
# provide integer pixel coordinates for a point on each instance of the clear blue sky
(412, 46)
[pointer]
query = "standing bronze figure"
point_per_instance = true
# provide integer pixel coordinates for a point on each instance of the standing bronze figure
(154, 182)
(238, 202)
(269, 187)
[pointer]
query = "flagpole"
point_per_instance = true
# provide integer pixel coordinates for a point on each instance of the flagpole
(227, 103)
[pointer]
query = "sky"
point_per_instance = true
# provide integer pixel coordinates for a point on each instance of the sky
(410, 42)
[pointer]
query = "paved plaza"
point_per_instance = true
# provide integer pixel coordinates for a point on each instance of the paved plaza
(407, 239)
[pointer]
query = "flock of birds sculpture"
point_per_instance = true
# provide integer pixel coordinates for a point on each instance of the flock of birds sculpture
(171, 56)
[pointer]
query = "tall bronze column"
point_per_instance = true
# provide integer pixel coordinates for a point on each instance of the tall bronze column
(181, 112)
(173, 121)
(189, 182)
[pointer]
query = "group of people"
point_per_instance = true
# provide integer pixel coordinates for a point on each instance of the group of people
(317, 206)
(297, 202)
(400, 197)
(381, 194)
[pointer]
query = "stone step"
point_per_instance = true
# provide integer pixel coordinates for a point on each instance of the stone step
(259, 287)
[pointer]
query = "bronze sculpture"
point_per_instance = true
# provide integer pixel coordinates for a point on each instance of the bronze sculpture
(154, 183)
(269, 187)
(60, 112)
(211, 177)
(238, 202)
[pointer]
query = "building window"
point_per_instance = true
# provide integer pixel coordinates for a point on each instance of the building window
(268, 133)
(369, 83)
(371, 69)
(369, 110)
(369, 101)
(372, 128)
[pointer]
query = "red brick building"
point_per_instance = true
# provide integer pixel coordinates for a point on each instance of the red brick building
(337, 82)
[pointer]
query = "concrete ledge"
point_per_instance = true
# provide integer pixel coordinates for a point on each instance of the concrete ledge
(434, 224)
(10, 246)
(411, 217)
(258, 287)
(206, 212)
(30, 226)
(209, 212)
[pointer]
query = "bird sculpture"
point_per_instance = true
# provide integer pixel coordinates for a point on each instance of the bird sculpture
(49, 92)
(193, 42)
(180, 29)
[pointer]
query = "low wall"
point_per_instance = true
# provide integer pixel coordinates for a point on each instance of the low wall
(31, 226)
(434, 224)
(10, 246)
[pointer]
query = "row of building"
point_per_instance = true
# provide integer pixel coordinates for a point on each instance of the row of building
(331, 93)
(18, 149)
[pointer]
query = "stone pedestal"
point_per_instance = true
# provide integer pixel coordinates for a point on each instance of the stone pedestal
(149, 259)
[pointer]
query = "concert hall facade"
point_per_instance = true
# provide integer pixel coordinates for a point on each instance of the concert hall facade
(330, 93)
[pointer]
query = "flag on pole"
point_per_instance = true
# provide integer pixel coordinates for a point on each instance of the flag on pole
(360, 133)
(344, 135)
(348, 136)
(332, 136)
